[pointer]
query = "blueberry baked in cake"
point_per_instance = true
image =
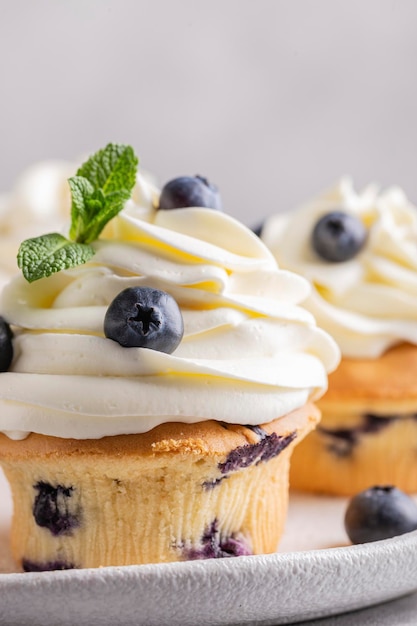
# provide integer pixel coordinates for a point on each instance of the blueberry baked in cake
(157, 374)
(359, 253)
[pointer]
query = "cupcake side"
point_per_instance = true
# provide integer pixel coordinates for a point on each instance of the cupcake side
(122, 455)
(179, 492)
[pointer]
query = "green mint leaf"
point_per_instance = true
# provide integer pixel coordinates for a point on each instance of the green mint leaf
(113, 204)
(111, 169)
(42, 256)
(100, 189)
(81, 192)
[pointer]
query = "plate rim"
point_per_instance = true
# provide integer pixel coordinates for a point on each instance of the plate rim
(277, 575)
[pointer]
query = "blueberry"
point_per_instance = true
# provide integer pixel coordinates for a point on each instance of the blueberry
(47, 566)
(252, 454)
(187, 191)
(379, 513)
(6, 345)
(342, 441)
(338, 236)
(258, 229)
(215, 547)
(145, 318)
(55, 509)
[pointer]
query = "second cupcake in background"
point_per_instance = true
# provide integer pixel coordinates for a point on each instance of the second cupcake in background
(359, 252)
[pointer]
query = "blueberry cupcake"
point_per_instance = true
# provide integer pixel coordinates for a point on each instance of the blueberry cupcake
(359, 253)
(157, 373)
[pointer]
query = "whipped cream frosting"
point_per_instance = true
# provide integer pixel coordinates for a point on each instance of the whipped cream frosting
(39, 200)
(368, 303)
(249, 353)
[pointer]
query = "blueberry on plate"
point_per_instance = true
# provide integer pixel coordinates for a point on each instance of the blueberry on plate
(338, 236)
(6, 345)
(188, 191)
(143, 317)
(378, 513)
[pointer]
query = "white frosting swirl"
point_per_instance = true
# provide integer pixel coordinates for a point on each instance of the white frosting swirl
(368, 303)
(249, 354)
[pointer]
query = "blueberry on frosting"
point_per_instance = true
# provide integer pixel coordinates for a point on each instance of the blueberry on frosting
(258, 228)
(338, 236)
(6, 345)
(143, 317)
(190, 191)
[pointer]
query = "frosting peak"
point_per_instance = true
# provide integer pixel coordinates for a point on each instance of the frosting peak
(368, 303)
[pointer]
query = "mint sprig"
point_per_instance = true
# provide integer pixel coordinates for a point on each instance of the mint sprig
(48, 254)
(99, 191)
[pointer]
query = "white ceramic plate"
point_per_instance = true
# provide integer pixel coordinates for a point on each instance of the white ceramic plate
(315, 574)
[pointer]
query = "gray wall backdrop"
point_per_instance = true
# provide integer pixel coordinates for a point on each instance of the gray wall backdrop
(271, 99)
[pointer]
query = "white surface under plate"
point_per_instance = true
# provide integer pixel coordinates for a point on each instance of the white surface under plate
(315, 574)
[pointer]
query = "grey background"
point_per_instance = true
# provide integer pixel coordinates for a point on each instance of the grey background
(271, 99)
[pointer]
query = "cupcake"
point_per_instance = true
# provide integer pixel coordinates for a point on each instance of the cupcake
(359, 253)
(160, 374)
(40, 199)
